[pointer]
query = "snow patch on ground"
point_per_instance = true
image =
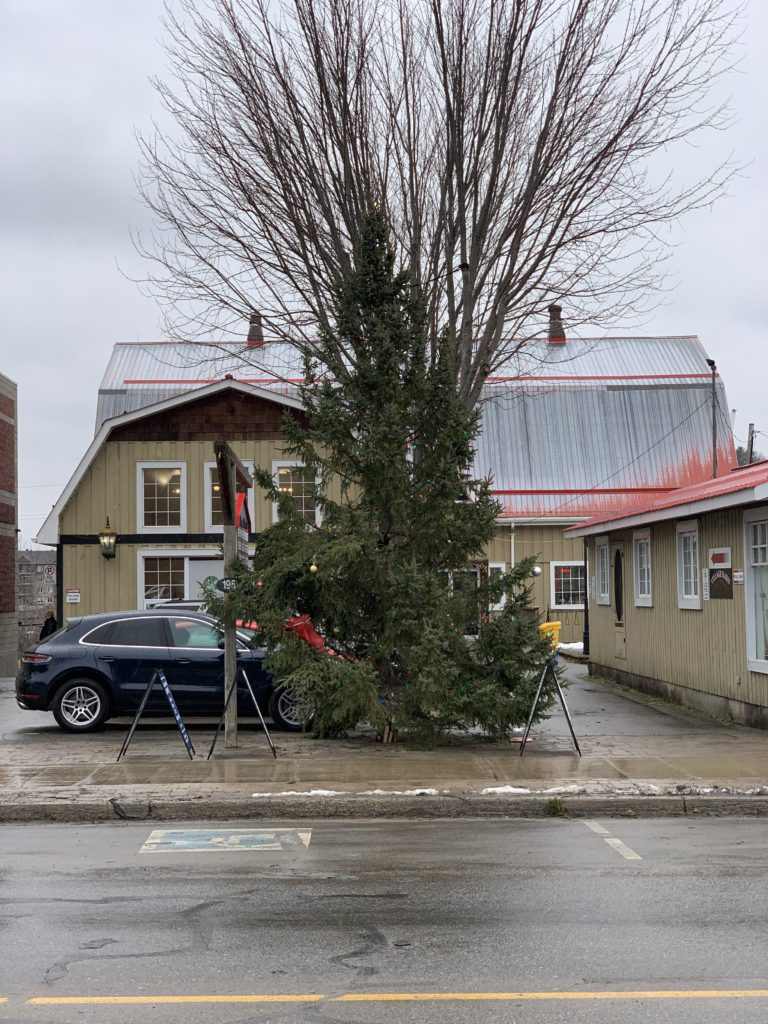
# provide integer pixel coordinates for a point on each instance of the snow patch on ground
(504, 789)
(305, 792)
(573, 648)
(402, 792)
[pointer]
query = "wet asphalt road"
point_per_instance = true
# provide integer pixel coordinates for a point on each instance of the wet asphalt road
(595, 915)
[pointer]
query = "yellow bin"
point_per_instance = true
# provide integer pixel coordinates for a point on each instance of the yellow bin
(552, 630)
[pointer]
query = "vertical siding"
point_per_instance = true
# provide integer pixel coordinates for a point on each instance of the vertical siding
(108, 489)
(704, 649)
(546, 544)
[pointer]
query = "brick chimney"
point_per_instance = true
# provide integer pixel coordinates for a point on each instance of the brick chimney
(556, 329)
(255, 337)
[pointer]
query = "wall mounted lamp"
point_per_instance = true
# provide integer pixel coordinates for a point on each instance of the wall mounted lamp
(107, 541)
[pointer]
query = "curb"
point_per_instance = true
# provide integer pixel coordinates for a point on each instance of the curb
(159, 807)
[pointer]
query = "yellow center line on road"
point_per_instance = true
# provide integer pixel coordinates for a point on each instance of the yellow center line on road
(71, 1000)
(529, 996)
(382, 997)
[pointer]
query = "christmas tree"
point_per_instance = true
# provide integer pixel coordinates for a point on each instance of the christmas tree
(393, 578)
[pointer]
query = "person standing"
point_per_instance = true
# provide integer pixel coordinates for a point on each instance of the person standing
(49, 624)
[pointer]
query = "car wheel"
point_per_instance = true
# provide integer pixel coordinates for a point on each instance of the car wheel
(285, 710)
(81, 705)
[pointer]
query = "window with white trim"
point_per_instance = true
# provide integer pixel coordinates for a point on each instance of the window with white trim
(295, 479)
(174, 574)
(688, 569)
(164, 579)
(603, 571)
(568, 585)
(641, 562)
(161, 497)
(756, 587)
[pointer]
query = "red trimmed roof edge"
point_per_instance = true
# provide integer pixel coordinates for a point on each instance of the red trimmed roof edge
(741, 478)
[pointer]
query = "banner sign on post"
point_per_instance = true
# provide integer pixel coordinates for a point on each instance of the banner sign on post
(243, 523)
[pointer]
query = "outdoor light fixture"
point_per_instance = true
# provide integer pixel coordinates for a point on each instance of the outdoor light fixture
(536, 570)
(107, 541)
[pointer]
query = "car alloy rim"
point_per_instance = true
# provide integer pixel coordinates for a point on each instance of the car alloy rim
(81, 705)
(288, 706)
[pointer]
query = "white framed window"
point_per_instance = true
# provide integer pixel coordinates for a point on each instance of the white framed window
(603, 570)
(174, 574)
(164, 578)
(568, 585)
(161, 497)
(688, 569)
(497, 569)
(295, 479)
(212, 498)
(642, 571)
(756, 587)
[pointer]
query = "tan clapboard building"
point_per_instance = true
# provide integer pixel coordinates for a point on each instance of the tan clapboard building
(149, 478)
(569, 428)
(678, 601)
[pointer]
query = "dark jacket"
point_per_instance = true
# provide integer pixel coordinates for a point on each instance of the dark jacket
(49, 626)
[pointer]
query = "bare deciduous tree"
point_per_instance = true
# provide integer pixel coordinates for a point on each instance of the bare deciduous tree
(524, 150)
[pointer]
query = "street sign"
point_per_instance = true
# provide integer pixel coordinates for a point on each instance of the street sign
(227, 584)
(50, 570)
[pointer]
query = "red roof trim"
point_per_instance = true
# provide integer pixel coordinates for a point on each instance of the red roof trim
(212, 380)
(614, 376)
(744, 478)
(591, 490)
(278, 341)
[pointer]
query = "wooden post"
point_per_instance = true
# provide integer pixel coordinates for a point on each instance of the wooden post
(231, 472)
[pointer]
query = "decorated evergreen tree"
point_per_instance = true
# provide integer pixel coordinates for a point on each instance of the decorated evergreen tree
(388, 579)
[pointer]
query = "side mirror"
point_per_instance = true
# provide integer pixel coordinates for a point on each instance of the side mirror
(221, 644)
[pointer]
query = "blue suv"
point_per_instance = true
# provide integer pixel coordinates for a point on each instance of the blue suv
(99, 666)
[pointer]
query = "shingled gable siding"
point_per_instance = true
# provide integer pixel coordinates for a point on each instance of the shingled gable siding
(229, 416)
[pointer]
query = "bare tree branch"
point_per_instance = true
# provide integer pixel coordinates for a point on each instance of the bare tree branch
(524, 151)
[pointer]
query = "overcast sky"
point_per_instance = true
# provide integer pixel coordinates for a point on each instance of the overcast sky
(74, 87)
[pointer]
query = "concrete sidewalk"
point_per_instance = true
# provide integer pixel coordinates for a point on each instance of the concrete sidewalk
(640, 757)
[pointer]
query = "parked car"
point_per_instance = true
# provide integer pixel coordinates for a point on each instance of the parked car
(99, 666)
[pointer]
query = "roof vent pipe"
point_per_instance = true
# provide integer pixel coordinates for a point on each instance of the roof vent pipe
(255, 332)
(556, 329)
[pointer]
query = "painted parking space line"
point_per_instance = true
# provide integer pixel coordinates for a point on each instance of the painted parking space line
(612, 841)
(400, 997)
(225, 840)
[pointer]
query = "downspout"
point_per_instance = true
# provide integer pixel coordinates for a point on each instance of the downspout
(585, 635)
(511, 546)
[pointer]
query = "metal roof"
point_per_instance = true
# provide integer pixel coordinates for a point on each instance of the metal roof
(740, 486)
(568, 430)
